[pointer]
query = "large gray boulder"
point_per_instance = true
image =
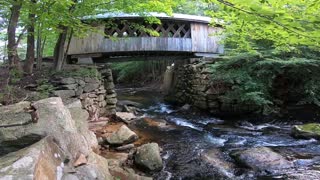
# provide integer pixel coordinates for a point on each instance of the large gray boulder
(262, 159)
(15, 115)
(39, 161)
(65, 139)
(148, 156)
(123, 136)
(81, 116)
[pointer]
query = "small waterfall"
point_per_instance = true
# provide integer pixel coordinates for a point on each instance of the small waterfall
(167, 79)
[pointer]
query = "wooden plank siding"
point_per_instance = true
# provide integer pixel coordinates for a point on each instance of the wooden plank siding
(202, 39)
(98, 43)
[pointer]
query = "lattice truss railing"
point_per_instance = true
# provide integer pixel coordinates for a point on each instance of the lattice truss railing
(136, 29)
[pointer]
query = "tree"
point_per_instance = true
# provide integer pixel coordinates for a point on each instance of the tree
(14, 60)
(285, 25)
(28, 65)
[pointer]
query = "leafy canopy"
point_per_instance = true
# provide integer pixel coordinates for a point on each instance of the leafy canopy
(284, 25)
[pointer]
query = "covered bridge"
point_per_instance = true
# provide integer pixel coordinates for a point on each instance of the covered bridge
(128, 35)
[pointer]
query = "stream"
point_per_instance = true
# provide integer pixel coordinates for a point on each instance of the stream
(185, 136)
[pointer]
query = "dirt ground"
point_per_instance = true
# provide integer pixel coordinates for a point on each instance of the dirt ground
(13, 92)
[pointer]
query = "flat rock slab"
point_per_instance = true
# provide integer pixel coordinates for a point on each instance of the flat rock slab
(262, 159)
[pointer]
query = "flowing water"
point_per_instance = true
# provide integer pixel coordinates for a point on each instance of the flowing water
(185, 135)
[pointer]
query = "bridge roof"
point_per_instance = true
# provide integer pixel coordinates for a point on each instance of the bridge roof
(174, 16)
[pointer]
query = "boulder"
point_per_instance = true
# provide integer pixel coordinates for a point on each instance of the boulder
(96, 168)
(126, 116)
(64, 140)
(125, 147)
(90, 87)
(39, 161)
(311, 130)
(262, 159)
(14, 114)
(64, 93)
(81, 116)
(126, 173)
(148, 156)
(123, 136)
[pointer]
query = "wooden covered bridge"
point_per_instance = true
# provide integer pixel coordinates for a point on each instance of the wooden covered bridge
(128, 35)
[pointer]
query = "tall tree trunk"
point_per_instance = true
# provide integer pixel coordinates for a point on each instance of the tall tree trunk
(59, 49)
(14, 60)
(39, 42)
(28, 66)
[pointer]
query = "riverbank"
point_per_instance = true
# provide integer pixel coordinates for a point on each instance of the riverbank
(250, 85)
(200, 146)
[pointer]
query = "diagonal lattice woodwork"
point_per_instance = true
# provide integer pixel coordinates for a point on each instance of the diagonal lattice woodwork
(135, 29)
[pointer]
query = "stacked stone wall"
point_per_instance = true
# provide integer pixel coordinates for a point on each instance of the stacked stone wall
(95, 90)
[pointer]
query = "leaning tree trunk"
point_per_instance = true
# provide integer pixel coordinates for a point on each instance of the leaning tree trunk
(28, 66)
(14, 60)
(59, 50)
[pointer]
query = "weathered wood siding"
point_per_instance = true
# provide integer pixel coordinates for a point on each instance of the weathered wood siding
(200, 41)
(203, 40)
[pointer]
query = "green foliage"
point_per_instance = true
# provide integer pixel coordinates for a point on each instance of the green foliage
(79, 72)
(140, 72)
(15, 75)
(254, 24)
(268, 83)
(127, 71)
(44, 88)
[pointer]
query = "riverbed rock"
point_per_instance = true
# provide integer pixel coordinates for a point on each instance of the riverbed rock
(148, 156)
(125, 147)
(96, 168)
(215, 158)
(308, 131)
(262, 159)
(126, 173)
(127, 117)
(123, 136)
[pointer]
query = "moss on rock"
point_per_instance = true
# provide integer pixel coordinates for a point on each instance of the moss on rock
(311, 130)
